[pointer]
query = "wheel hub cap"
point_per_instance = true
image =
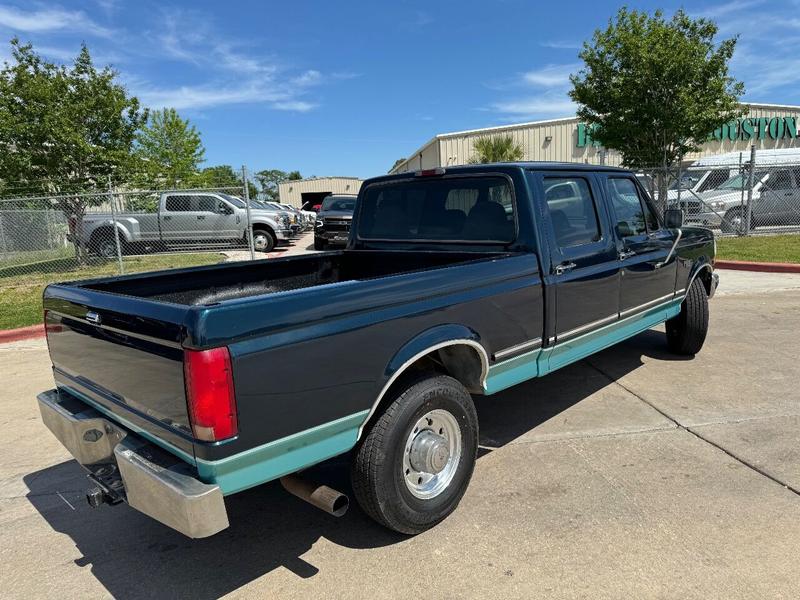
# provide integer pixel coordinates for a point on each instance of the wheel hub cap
(429, 452)
(432, 454)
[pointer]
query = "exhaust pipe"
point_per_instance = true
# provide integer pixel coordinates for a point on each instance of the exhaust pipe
(325, 498)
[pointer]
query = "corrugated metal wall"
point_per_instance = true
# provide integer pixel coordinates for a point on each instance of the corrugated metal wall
(291, 192)
(457, 148)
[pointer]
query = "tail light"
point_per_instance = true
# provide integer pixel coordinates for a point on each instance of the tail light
(430, 172)
(209, 394)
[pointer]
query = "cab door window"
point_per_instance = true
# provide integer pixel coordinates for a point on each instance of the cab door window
(634, 216)
(572, 211)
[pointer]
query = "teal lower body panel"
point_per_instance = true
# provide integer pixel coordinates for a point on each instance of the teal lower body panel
(282, 457)
(541, 362)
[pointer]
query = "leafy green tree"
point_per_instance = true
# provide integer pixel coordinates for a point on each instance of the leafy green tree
(64, 130)
(223, 176)
(397, 162)
(169, 149)
(269, 180)
(654, 89)
(496, 148)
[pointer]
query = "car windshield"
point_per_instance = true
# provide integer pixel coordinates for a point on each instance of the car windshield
(343, 204)
(739, 182)
(237, 202)
(686, 183)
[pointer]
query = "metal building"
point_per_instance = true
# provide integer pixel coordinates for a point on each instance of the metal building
(567, 140)
(299, 191)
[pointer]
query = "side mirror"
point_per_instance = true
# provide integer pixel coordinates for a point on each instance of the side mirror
(673, 218)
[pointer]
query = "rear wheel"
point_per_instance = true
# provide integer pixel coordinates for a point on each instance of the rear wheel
(734, 219)
(415, 462)
(687, 331)
(104, 244)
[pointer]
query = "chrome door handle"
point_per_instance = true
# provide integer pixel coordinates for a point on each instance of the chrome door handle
(564, 267)
(626, 254)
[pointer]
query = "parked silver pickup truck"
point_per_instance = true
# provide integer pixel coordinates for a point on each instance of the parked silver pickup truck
(187, 218)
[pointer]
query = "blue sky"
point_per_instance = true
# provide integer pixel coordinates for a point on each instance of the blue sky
(345, 88)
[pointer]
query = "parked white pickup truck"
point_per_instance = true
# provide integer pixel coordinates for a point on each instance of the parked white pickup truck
(185, 218)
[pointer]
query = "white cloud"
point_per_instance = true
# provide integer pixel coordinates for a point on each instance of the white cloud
(50, 19)
(543, 107)
(550, 76)
(546, 95)
(561, 44)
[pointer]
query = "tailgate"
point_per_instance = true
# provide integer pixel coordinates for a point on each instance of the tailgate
(123, 356)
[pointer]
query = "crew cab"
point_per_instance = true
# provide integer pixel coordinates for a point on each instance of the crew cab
(177, 389)
(186, 217)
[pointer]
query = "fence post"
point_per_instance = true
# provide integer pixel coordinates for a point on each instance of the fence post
(247, 210)
(116, 231)
(750, 178)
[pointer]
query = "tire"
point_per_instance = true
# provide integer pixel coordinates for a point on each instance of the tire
(263, 240)
(105, 246)
(686, 332)
(390, 485)
(319, 244)
(733, 221)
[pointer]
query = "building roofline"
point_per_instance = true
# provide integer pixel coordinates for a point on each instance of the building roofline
(766, 105)
(319, 179)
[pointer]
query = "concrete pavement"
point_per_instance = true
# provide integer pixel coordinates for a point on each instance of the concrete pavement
(631, 474)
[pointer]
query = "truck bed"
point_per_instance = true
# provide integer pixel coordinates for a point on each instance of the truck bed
(210, 285)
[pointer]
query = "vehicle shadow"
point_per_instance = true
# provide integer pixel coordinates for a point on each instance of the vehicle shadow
(135, 557)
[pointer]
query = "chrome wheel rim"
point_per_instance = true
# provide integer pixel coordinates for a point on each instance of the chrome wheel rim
(431, 454)
(260, 241)
(107, 249)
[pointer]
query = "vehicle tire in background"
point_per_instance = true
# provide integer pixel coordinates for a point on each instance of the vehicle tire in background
(319, 244)
(733, 221)
(263, 240)
(104, 245)
(686, 332)
(414, 463)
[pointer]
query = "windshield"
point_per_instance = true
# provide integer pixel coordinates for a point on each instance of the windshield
(452, 209)
(739, 182)
(343, 204)
(687, 182)
(237, 202)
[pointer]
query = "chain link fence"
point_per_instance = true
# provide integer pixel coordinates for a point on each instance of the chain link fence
(757, 194)
(51, 238)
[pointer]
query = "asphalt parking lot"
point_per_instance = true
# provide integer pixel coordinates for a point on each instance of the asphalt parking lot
(631, 474)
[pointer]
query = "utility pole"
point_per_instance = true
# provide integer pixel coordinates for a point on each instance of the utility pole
(116, 231)
(247, 210)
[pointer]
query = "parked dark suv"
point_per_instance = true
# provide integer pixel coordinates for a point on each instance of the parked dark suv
(333, 221)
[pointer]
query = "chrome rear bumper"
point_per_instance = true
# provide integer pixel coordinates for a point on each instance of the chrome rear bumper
(148, 478)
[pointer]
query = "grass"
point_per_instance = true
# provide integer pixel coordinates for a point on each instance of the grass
(21, 292)
(760, 248)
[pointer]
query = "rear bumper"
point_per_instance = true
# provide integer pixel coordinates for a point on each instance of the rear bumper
(148, 478)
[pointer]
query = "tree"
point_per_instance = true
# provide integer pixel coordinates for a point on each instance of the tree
(269, 180)
(223, 177)
(399, 161)
(169, 149)
(64, 131)
(654, 89)
(496, 148)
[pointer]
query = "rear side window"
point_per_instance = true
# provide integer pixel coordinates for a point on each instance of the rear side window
(426, 209)
(572, 211)
(179, 203)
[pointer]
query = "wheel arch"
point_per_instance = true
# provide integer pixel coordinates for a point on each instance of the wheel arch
(108, 228)
(704, 270)
(454, 349)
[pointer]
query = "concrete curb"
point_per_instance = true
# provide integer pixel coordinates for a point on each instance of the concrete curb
(742, 265)
(22, 333)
